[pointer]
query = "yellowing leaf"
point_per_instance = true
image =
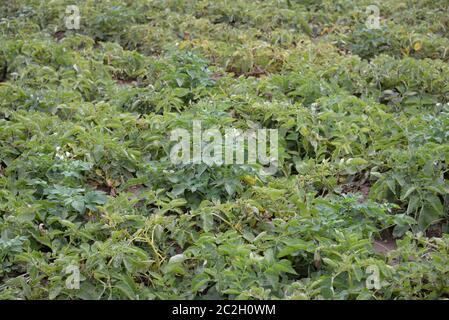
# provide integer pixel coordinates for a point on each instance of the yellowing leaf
(417, 46)
(249, 180)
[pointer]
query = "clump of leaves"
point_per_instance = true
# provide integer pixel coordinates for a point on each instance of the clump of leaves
(86, 179)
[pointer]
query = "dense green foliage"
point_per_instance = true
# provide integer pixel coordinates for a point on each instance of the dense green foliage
(86, 179)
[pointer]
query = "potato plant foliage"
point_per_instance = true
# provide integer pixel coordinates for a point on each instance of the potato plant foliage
(86, 178)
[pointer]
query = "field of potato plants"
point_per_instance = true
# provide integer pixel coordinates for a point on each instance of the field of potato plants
(92, 205)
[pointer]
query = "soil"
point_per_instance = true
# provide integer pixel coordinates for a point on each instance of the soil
(363, 188)
(435, 231)
(59, 35)
(385, 243)
(256, 72)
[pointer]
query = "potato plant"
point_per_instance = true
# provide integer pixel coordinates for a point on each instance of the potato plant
(86, 177)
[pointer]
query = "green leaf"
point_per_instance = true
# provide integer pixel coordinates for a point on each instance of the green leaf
(78, 205)
(208, 221)
(428, 216)
(293, 247)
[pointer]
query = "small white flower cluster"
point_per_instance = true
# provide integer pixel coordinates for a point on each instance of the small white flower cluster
(60, 155)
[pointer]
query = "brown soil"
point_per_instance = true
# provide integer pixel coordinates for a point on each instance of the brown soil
(122, 82)
(105, 188)
(215, 76)
(435, 231)
(363, 188)
(385, 243)
(256, 72)
(135, 189)
(59, 35)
